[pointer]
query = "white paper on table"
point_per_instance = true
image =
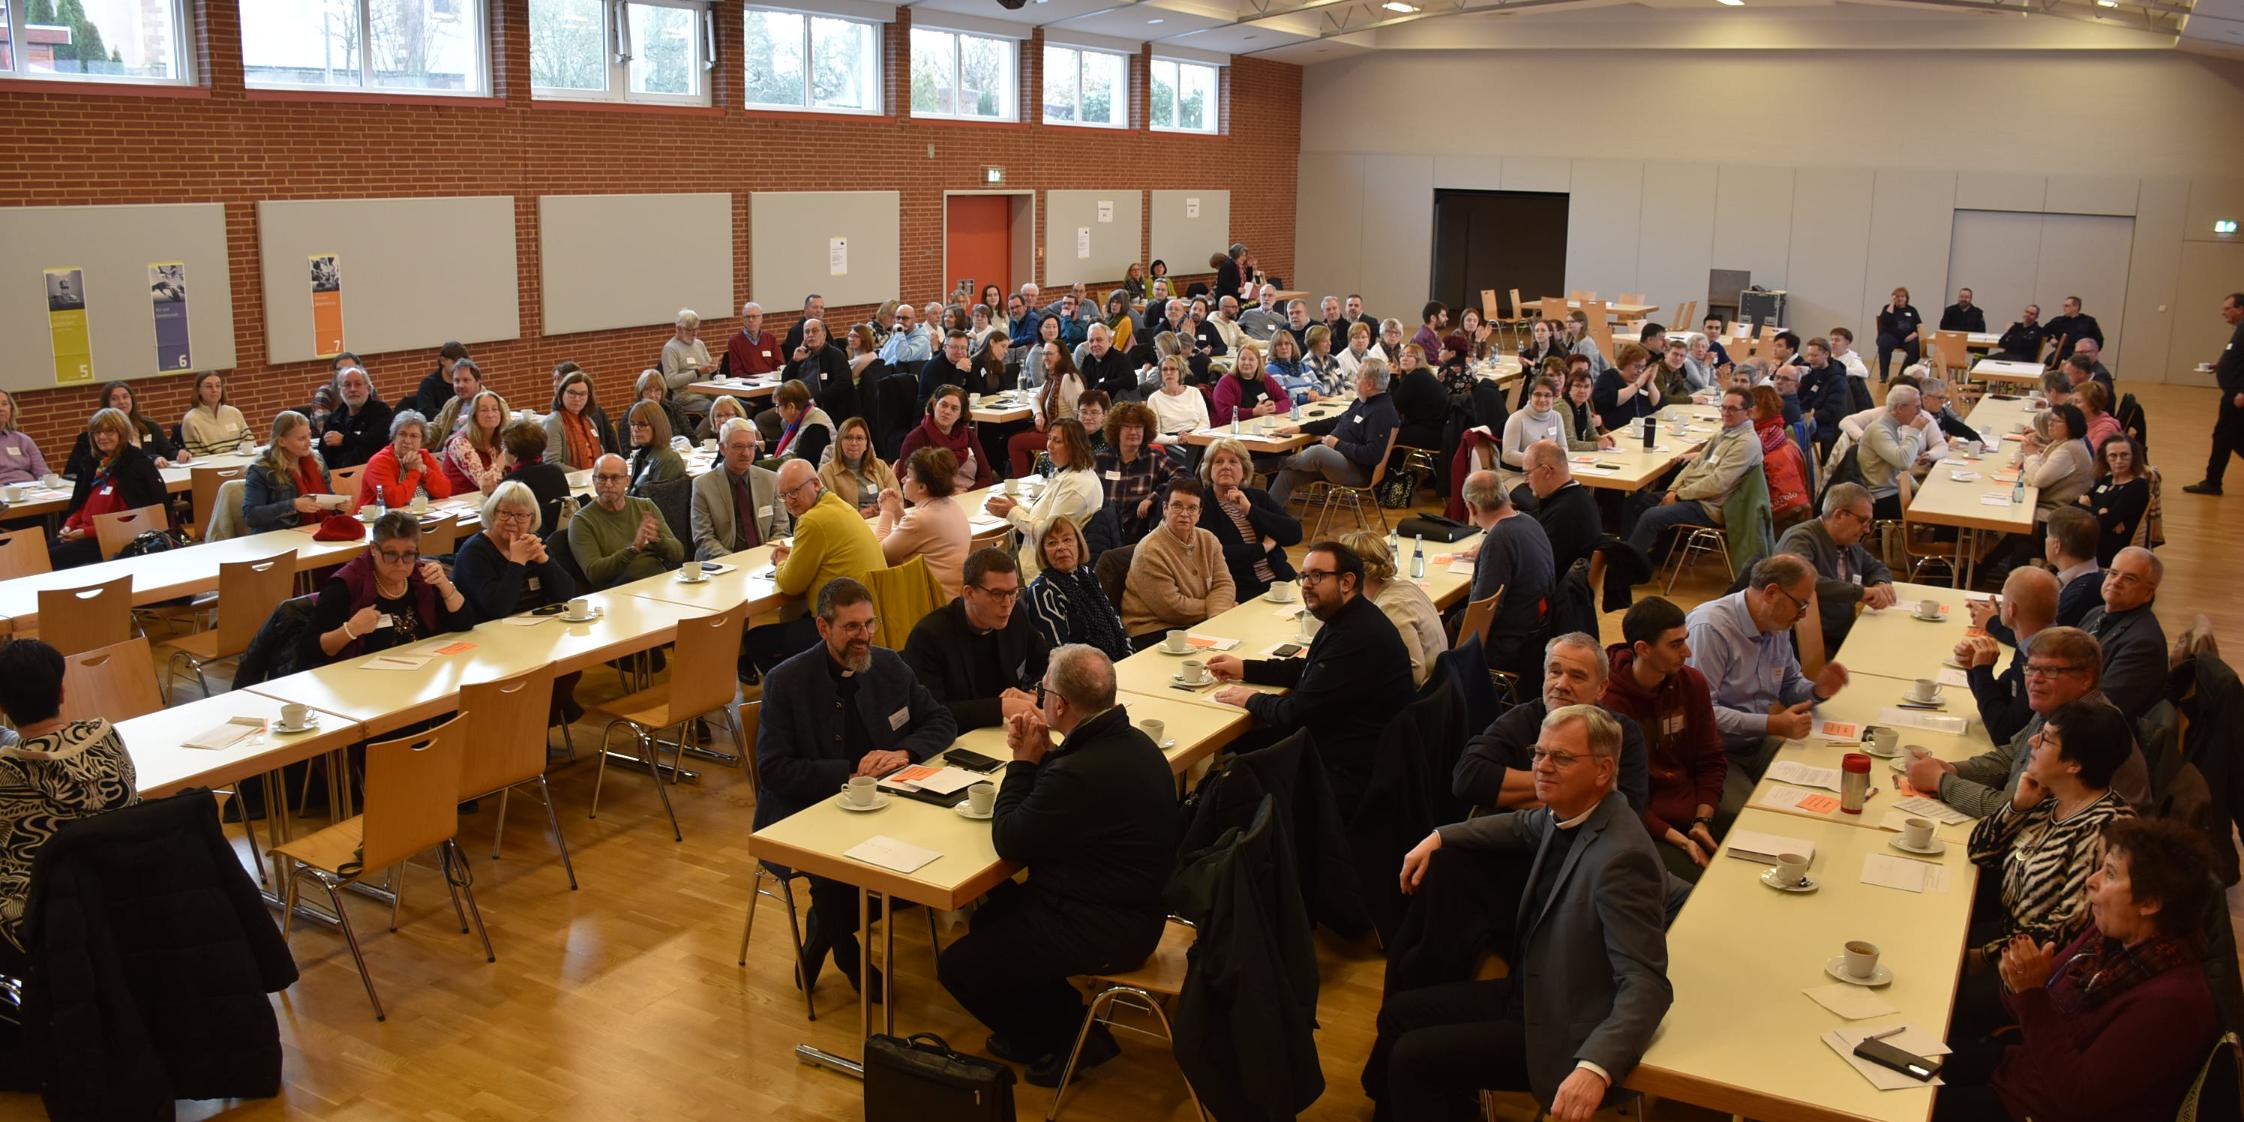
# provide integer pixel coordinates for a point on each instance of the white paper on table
(1761, 848)
(1994, 500)
(984, 524)
(1888, 871)
(1951, 676)
(1462, 567)
(524, 621)
(1855, 1003)
(1799, 774)
(718, 568)
(1785, 795)
(889, 853)
(1963, 476)
(945, 781)
(1918, 719)
(1912, 1040)
(1897, 819)
(1210, 643)
(234, 731)
(1934, 809)
(398, 662)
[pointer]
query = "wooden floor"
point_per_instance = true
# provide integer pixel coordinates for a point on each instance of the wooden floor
(623, 1001)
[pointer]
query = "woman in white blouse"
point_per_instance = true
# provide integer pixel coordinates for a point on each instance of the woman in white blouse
(1351, 358)
(1177, 408)
(1539, 421)
(684, 358)
(1073, 492)
(2057, 458)
(212, 427)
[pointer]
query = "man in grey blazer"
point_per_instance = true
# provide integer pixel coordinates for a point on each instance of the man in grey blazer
(737, 485)
(1845, 573)
(1588, 984)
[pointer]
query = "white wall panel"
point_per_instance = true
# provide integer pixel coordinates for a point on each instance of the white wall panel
(2092, 194)
(1911, 215)
(1997, 255)
(1537, 173)
(2160, 207)
(1753, 222)
(1830, 249)
(1675, 244)
(1398, 224)
(2085, 255)
(1328, 222)
(2207, 272)
(1979, 189)
(1602, 219)
(1469, 173)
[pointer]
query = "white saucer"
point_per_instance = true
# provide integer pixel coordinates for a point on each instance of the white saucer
(1928, 619)
(1938, 847)
(1806, 885)
(1168, 744)
(1872, 750)
(702, 578)
(1163, 648)
(567, 618)
(965, 810)
(1899, 763)
(881, 800)
(311, 725)
(1275, 599)
(1179, 679)
(1837, 968)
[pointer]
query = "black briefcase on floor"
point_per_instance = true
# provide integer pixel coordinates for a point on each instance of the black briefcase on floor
(919, 1079)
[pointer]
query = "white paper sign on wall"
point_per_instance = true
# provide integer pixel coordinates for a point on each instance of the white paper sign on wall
(1106, 210)
(1082, 243)
(1192, 206)
(837, 256)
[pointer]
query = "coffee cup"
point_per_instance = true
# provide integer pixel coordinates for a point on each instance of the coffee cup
(860, 790)
(51, 480)
(1013, 486)
(1282, 592)
(1884, 740)
(1155, 730)
(981, 798)
(709, 444)
(294, 714)
(15, 492)
(420, 504)
(1972, 447)
(580, 608)
(691, 570)
(1177, 641)
(1791, 869)
(973, 401)
(1862, 959)
(1916, 833)
(1924, 689)
(1195, 671)
(1928, 608)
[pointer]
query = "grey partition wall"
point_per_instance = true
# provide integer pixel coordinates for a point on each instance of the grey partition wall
(1188, 226)
(114, 246)
(1092, 235)
(608, 261)
(843, 245)
(414, 272)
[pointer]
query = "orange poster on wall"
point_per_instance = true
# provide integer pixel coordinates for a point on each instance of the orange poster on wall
(327, 305)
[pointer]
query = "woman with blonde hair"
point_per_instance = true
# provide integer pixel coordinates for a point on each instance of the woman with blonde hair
(1414, 615)
(213, 427)
(723, 409)
(278, 490)
(652, 387)
(471, 453)
(20, 461)
(121, 478)
(853, 471)
(1253, 527)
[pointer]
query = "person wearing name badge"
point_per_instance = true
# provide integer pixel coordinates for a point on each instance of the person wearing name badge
(1254, 529)
(1846, 573)
(147, 435)
(2228, 422)
(576, 435)
(118, 477)
(981, 654)
(281, 488)
(20, 461)
(385, 597)
(620, 538)
(405, 468)
(507, 569)
(1742, 643)
(1129, 469)
(1177, 577)
(360, 424)
(212, 426)
(736, 504)
(1348, 446)
(830, 541)
(1899, 326)
(647, 434)
(850, 468)
(1177, 408)
(752, 350)
(685, 359)
(1073, 492)
(1539, 421)
(947, 426)
(1704, 483)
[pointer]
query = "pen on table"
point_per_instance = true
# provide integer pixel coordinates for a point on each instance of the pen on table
(1894, 1031)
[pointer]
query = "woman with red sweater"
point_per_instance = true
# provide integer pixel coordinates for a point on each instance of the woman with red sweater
(1651, 685)
(404, 468)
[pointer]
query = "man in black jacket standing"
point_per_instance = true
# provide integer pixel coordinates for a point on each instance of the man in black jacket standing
(976, 653)
(2228, 426)
(1093, 819)
(1963, 315)
(1355, 679)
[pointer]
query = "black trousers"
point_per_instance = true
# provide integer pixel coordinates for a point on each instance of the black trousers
(767, 646)
(1011, 970)
(2228, 439)
(1887, 345)
(833, 920)
(1442, 1045)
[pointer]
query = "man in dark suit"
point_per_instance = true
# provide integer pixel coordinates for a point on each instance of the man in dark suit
(2134, 645)
(1963, 315)
(976, 653)
(2069, 542)
(1589, 980)
(1355, 679)
(2228, 424)
(1565, 508)
(815, 362)
(1496, 769)
(2029, 607)
(1105, 367)
(841, 709)
(1093, 819)
(1845, 573)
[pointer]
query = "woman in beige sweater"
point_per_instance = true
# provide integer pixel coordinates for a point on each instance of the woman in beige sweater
(1177, 574)
(935, 527)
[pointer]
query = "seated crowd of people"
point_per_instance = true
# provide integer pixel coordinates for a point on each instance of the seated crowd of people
(1611, 782)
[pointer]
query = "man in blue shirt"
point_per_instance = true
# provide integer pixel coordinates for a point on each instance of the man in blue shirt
(910, 342)
(1760, 697)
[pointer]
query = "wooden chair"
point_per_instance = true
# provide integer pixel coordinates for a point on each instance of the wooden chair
(701, 681)
(1631, 298)
(1577, 296)
(1686, 320)
(903, 594)
(1476, 617)
(203, 484)
(1552, 309)
(248, 592)
(117, 530)
(411, 804)
(440, 536)
(506, 737)
(1488, 309)
(1808, 633)
(1949, 356)
(1601, 327)
(23, 553)
(98, 615)
(1324, 493)
(344, 481)
(1159, 979)
(116, 682)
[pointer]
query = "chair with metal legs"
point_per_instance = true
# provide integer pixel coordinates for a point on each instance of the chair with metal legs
(702, 680)
(411, 804)
(1145, 988)
(506, 736)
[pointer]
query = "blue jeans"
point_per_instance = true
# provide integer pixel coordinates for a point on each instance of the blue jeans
(1656, 520)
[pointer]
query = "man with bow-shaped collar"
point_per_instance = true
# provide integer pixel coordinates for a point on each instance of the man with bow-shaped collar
(1588, 983)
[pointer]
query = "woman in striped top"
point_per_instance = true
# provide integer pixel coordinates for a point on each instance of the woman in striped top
(2050, 836)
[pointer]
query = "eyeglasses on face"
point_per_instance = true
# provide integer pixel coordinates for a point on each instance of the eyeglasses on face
(406, 557)
(513, 515)
(611, 477)
(1001, 595)
(1556, 758)
(2052, 669)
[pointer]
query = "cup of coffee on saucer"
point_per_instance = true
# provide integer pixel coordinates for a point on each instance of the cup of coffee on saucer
(1861, 960)
(1928, 609)
(1916, 833)
(1176, 642)
(1924, 691)
(981, 799)
(295, 716)
(1791, 870)
(860, 790)
(1884, 742)
(690, 572)
(1282, 592)
(580, 609)
(1155, 730)
(1195, 672)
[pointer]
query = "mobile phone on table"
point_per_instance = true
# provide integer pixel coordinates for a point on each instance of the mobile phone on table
(1907, 1063)
(970, 760)
(1287, 650)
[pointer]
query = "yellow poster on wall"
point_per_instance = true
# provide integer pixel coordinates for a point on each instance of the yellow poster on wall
(66, 325)
(327, 305)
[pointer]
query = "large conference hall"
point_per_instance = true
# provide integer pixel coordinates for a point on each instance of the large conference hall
(1121, 559)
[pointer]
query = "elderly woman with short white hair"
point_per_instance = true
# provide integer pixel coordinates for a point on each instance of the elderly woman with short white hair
(684, 358)
(506, 570)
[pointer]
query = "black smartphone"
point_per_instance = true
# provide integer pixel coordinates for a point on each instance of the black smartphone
(970, 760)
(1287, 650)
(1914, 1066)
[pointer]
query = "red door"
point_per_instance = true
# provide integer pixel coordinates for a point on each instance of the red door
(979, 241)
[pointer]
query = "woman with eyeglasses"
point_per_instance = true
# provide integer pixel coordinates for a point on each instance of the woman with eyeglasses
(505, 569)
(2120, 498)
(385, 597)
(404, 468)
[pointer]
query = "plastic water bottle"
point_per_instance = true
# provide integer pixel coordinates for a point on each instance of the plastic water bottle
(2018, 489)
(1417, 557)
(1293, 407)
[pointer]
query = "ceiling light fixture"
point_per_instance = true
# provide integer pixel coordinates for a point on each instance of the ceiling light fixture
(1731, 3)
(1156, 21)
(1399, 6)
(2107, 3)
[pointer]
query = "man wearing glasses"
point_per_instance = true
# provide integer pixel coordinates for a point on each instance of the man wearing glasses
(1696, 498)
(831, 541)
(1846, 573)
(1565, 509)
(2134, 645)
(2063, 668)
(1760, 697)
(976, 653)
(620, 538)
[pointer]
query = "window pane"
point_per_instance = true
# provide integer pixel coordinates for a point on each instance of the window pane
(7, 43)
(774, 54)
(665, 58)
(1104, 92)
(100, 38)
(1060, 67)
(1196, 101)
(568, 45)
(985, 77)
(1161, 95)
(425, 44)
(300, 42)
(934, 62)
(845, 64)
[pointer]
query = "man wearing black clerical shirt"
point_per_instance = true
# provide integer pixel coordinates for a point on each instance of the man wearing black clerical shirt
(2072, 327)
(1963, 315)
(977, 654)
(1105, 367)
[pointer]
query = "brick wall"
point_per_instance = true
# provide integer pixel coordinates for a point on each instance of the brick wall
(221, 143)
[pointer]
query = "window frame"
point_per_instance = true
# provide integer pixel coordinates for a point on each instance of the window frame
(1215, 120)
(876, 37)
(183, 54)
(1121, 92)
(958, 48)
(481, 88)
(616, 88)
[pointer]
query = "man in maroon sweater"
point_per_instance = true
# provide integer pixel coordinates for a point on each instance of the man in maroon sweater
(1651, 685)
(752, 349)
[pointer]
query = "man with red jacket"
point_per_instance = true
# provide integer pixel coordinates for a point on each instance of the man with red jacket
(1671, 702)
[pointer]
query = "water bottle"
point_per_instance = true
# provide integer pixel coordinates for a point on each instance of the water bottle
(2018, 488)
(1417, 557)
(1293, 408)
(1651, 431)
(1234, 423)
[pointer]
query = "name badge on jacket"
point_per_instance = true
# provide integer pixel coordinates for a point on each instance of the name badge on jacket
(899, 718)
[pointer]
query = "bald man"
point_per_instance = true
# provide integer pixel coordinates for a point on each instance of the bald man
(831, 540)
(2028, 607)
(619, 538)
(1565, 508)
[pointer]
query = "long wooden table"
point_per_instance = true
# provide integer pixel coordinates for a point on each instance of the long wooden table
(1683, 430)
(1976, 494)
(2002, 370)
(747, 389)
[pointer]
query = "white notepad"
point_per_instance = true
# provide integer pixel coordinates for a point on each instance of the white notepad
(1799, 774)
(1855, 1003)
(1888, 871)
(1912, 1039)
(234, 731)
(889, 853)
(1755, 846)
(1934, 809)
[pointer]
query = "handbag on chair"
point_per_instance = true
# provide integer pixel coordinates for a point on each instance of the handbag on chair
(919, 1079)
